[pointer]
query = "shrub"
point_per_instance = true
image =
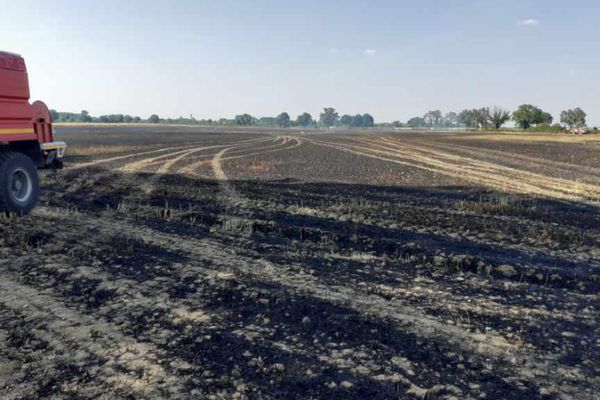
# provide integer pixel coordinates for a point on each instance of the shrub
(546, 128)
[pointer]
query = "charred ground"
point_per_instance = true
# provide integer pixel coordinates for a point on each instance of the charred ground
(188, 263)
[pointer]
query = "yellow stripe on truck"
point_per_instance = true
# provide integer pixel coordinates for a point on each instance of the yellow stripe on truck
(10, 131)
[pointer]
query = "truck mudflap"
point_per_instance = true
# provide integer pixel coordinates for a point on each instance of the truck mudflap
(53, 153)
(59, 147)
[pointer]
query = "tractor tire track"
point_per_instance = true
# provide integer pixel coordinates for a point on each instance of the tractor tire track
(558, 184)
(125, 173)
(235, 154)
(407, 318)
(483, 176)
(516, 157)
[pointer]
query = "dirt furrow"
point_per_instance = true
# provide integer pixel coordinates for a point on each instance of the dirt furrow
(489, 171)
(148, 185)
(409, 319)
(562, 185)
(125, 364)
(240, 153)
(382, 152)
(124, 157)
(584, 172)
(375, 151)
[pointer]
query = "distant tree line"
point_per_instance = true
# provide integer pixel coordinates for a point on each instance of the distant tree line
(328, 118)
(526, 116)
(84, 116)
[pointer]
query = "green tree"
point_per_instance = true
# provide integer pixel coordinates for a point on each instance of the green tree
(328, 117)
(357, 120)
(67, 117)
(450, 119)
(433, 118)
(527, 115)
(546, 118)
(85, 116)
(499, 117)
(573, 118)
(304, 119)
(267, 121)
(127, 119)
(244, 120)
(416, 122)
(482, 117)
(346, 120)
(368, 121)
(116, 118)
(468, 118)
(154, 119)
(283, 120)
(54, 115)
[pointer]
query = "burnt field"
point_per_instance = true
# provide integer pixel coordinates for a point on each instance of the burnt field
(174, 262)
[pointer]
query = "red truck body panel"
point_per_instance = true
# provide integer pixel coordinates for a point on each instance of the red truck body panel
(26, 139)
(20, 120)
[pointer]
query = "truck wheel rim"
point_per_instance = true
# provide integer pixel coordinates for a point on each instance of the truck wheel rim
(21, 185)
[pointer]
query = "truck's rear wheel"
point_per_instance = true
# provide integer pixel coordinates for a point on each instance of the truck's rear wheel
(19, 183)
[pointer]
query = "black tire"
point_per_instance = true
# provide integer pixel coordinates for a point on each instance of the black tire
(19, 183)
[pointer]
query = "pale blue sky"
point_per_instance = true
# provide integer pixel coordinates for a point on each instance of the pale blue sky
(394, 59)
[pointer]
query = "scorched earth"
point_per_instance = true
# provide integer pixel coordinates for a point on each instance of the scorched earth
(179, 262)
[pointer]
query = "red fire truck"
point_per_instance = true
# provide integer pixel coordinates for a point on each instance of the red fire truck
(26, 139)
